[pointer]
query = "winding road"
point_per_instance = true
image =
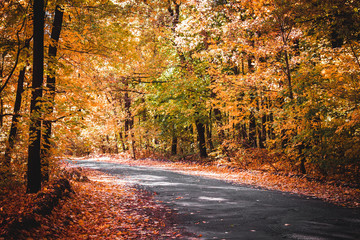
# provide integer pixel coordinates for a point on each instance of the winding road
(220, 210)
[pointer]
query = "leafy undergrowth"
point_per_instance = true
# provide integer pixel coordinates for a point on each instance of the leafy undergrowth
(102, 208)
(328, 191)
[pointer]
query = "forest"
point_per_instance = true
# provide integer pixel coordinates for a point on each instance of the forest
(268, 84)
(263, 93)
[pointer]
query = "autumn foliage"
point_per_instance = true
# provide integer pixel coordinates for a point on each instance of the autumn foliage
(271, 86)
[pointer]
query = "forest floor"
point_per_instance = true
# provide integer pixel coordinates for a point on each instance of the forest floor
(101, 208)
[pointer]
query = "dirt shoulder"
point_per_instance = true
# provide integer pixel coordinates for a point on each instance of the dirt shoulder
(327, 191)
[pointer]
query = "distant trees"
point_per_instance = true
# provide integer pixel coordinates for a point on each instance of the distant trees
(273, 82)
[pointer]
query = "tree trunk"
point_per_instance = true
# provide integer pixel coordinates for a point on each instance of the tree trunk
(252, 130)
(201, 138)
(209, 136)
(15, 117)
(302, 159)
(252, 120)
(263, 131)
(129, 122)
(288, 75)
(116, 149)
(174, 145)
(1, 111)
(50, 86)
(122, 141)
(34, 158)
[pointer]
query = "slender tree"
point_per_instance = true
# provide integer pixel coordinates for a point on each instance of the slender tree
(200, 127)
(17, 106)
(50, 86)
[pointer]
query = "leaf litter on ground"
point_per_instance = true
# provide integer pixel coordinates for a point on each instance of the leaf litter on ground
(102, 208)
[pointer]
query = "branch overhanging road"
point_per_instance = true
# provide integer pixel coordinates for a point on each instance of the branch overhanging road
(217, 209)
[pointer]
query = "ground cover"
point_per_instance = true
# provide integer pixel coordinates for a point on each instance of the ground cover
(102, 208)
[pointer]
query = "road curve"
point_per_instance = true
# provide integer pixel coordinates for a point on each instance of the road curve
(220, 210)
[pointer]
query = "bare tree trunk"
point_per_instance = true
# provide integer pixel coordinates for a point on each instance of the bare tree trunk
(252, 130)
(174, 142)
(209, 133)
(34, 158)
(15, 118)
(116, 149)
(1, 111)
(288, 75)
(122, 141)
(129, 121)
(201, 138)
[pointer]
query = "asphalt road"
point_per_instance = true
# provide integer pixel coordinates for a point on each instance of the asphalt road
(220, 210)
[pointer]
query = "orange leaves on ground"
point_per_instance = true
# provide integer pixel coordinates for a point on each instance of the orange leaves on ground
(104, 208)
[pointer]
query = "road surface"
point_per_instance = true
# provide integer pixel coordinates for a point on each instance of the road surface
(220, 210)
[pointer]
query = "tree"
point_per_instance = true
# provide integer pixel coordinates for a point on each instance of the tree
(50, 87)
(34, 150)
(16, 113)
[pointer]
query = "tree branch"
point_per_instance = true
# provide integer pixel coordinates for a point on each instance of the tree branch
(354, 53)
(65, 116)
(17, 56)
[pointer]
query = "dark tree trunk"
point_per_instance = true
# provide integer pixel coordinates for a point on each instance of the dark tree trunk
(201, 138)
(15, 118)
(288, 75)
(122, 141)
(34, 158)
(252, 130)
(129, 122)
(242, 133)
(209, 132)
(302, 159)
(1, 111)
(174, 145)
(116, 147)
(209, 136)
(261, 127)
(270, 121)
(263, 131)
(252, 120)
(50, 86)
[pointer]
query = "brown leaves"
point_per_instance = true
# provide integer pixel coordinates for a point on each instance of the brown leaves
(103, 208)
(106, 208)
